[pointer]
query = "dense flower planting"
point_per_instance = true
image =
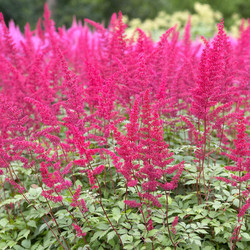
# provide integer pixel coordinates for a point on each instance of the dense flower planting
(126, 143)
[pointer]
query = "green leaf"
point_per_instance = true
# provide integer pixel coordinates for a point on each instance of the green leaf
(227, 224)
(217, 205)
(116, 213)
(26, 243)
(103, 233)
(246, 236)
(95, 236)
(3, 222)
(190, 182)
(169, 200)
(13, 200)
(34, 193)
(156, 219)
(148, 240)
(208, 248)
(137, 243)
(122, 231)
(198, 216)
(236, 202)
(213, 214)
(11, 243)
(3, 245)
(129, 247)
(102, 226)
(127, 238)
(78, 183)
(217, 230)
(202, 231)
(18, 247)
(42, 227)
(36, 246)
(32, 223)
(111, 235)
(141, 226)
(121, 204)
(153, 232)
(23, 234)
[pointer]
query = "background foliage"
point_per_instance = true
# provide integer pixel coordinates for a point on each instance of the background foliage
(22, 11)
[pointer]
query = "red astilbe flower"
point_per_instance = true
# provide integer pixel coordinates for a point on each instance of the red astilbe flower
(45, 112)
(78, 203)
(16, 186)
(50, 179)
(212, 77)
(132, 203)
(98, 170)
(7, 44)
(92, 180)
(242, 59)
(211, 98)
(48, 195)
(175, 222)
(145, 154)
(79, 231)
(240, 155)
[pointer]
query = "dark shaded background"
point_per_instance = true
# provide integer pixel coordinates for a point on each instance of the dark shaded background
(23, 11)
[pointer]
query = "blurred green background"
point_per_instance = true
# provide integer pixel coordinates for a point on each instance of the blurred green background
(22, 11)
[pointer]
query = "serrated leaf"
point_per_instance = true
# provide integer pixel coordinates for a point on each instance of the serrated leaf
(153, 232)
(213, 214)
(13, 200)
(11, 243)
(127, 238)
(217, 230)
(102, 226)
(198, 216)
(236, 202)
(116, 213)
(34, 193)
(246, 236)
(23, 234)
(111, 235)
(42, 227)
(95, 236)
(129, 247)
(202, 231)
(3, 222)
(148, 240)
(122, 231)
(141, 226)
(217, 205)
(158, 220)
(190, 182)
(31, 223)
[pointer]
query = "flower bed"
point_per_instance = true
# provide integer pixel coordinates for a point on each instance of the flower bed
(115, 142)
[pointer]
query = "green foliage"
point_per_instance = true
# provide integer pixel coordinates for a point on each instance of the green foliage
(205, 226)
(23, 11)
(203, 22)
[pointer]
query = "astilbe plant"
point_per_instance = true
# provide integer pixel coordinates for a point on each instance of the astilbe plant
(210, 100)
(84, 119)
(147, 160)
(240, 175)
